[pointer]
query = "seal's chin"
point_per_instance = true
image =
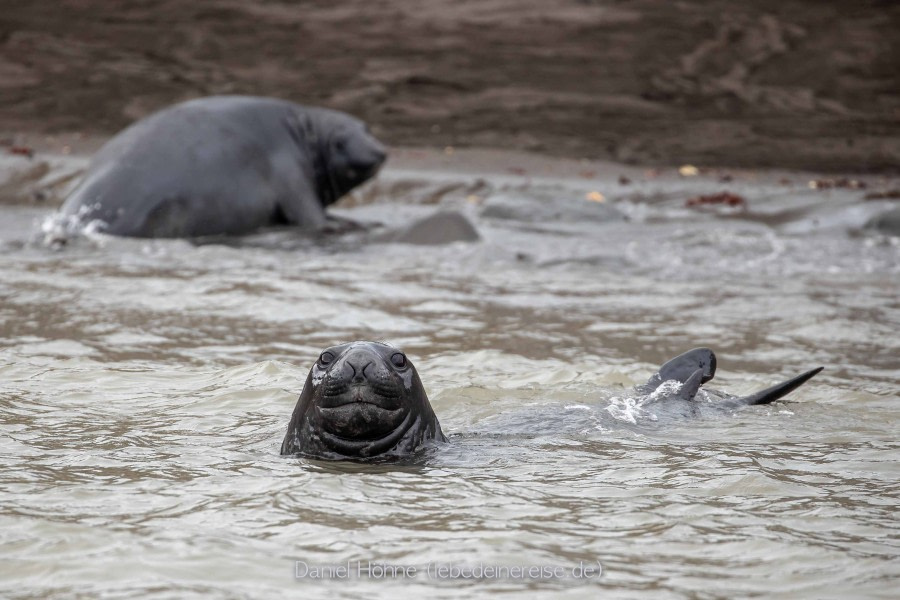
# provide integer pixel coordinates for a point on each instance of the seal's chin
(362, 429)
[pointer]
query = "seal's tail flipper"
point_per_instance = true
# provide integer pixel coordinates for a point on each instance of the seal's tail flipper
(775, 392)
(684, 367)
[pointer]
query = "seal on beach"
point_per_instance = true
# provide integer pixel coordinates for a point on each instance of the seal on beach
(225, 165)
(361, 400)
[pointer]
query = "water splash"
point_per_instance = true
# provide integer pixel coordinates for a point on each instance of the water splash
(58, 230)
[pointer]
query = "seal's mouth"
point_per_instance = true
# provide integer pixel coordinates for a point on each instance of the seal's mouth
(363, 420)
(365, 446)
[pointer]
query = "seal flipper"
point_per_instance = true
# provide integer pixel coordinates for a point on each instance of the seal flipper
(690, 387)
(683, 368)
(775, 392)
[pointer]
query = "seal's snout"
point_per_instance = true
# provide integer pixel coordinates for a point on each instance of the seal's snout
(371, 159)
(361, 376)
(359, 367)
(379, 153)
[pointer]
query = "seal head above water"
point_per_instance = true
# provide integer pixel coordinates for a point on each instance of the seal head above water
(361, 400)
(224, 165)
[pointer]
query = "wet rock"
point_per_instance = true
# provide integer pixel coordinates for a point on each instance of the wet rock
(848, 217)
(444, 227)
(549, 209)
(888, 222)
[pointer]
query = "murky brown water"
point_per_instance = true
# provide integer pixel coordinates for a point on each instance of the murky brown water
(145, 387)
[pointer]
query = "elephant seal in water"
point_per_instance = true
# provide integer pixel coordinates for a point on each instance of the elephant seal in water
(364, 399)
(361, 400)
(224, 165)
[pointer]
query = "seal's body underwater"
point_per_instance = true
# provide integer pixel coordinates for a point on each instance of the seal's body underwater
(361, 400)
(224, 165)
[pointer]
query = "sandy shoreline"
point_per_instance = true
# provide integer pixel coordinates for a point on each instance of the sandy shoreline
(760, 85)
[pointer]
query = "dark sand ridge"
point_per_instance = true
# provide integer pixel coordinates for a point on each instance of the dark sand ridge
(788, 84)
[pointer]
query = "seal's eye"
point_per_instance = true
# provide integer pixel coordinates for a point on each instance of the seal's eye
(399, 360)
(326, 358)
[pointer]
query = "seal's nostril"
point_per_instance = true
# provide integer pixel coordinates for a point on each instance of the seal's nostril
(359, 371)
(358, 365)
(355, 372)
(371, 371)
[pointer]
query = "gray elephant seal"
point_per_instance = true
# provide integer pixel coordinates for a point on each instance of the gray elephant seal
(365, 400)
(361, 400)
(225, 165)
